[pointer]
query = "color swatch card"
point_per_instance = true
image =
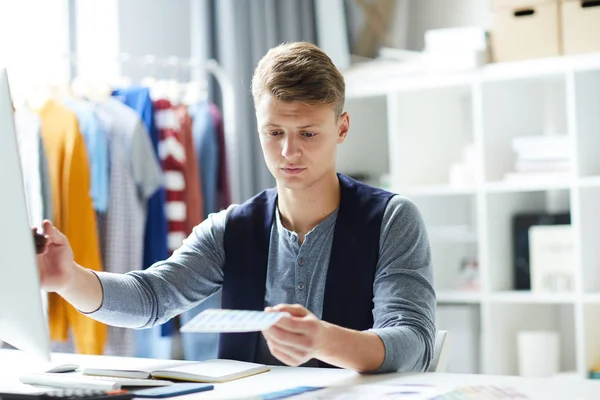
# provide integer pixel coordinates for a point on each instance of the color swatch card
(229, 321)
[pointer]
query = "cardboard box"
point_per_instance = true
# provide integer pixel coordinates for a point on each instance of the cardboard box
(523, 33)
(503, 4)
(580, 26)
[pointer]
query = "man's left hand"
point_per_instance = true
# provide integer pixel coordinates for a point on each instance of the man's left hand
(297, 338)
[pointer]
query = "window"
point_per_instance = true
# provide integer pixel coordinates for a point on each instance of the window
(34, 41)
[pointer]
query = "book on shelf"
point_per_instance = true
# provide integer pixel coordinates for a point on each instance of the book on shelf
(552, 258)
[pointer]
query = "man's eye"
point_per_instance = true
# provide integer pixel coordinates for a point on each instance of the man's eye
(275, 133)
(309, 134)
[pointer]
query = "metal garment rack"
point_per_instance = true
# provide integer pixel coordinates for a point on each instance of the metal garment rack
(212, 67)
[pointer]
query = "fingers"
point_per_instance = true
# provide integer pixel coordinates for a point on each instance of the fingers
(294, 309)
(54, 234)
(288, 339)
(301, 320)
(287, 357)
(305, 326)
(287, 354)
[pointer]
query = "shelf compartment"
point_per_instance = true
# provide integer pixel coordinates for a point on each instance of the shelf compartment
(501, 208)
(451, 224)
(463, 323)
(506, 322)
(519, 108)
(591, 334)
(429, 131)
(587, 117)
(590, 250)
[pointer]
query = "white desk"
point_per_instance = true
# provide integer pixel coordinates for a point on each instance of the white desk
(14, 363)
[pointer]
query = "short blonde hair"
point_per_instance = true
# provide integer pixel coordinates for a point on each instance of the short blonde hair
(301, 72)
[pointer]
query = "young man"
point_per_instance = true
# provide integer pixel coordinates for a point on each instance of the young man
(350, 263)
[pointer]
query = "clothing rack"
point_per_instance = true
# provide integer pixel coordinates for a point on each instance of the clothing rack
(221, 76)
(107, 74)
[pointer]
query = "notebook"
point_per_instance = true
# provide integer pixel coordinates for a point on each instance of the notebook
(79, 381)
(209, 371)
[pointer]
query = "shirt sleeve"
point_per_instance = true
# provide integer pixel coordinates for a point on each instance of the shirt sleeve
(404, 297)
(145, 167)
(100, 163)
(141, 299)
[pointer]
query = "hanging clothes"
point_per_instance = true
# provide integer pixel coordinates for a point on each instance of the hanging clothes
(223, 189)
(194, 200)
(155, 234)
(74, 216)
(207, 149)
(135, 175)
(172, 155)
(97, 149)
(204, 346)
(150, 343)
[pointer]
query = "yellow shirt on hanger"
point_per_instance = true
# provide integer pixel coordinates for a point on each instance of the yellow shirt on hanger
(73, 215)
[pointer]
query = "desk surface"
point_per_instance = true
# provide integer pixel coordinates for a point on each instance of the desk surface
(14, 363)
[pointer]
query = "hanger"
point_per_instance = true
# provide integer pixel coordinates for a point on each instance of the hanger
(174, 89)
(89, 88)
(195, 92)
(150, 81)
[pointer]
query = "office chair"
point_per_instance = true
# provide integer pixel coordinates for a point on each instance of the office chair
(441, 352)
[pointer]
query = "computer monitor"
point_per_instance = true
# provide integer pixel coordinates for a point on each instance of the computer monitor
(23, 322)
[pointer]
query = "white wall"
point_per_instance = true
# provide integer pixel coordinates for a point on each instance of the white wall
(97, 38)
(413, 17)
(434, 14)
(158, 27)
(107, 28)
(33, 45)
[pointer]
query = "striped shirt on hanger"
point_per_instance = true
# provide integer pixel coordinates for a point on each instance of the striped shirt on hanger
(171, 152)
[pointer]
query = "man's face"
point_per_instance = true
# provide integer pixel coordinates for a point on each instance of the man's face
(299, 141)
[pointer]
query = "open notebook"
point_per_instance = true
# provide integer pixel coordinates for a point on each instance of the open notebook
(209, 371)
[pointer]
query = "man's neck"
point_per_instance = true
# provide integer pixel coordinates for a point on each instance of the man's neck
(302, 210)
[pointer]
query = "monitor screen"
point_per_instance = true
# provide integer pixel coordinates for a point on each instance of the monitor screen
(23, 322)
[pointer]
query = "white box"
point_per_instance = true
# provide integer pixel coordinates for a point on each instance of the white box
(580, 26)
(523, 33)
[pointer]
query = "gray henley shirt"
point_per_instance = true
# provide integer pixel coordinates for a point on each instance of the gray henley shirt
(404, 298)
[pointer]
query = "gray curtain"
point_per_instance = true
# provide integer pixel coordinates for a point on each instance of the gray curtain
(240, 32)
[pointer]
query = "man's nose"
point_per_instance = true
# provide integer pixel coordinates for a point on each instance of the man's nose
(290, 148)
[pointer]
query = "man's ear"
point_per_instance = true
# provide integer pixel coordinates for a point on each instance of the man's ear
(343, 127)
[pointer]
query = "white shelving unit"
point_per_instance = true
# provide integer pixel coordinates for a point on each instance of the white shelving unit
(413, 129)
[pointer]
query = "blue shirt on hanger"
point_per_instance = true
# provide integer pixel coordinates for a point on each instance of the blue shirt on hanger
(155, 237)
(207, 150)
(96, 144)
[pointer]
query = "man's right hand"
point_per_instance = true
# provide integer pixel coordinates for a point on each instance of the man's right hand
(54, 258)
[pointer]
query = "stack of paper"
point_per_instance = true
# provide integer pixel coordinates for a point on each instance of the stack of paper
(541, 158)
